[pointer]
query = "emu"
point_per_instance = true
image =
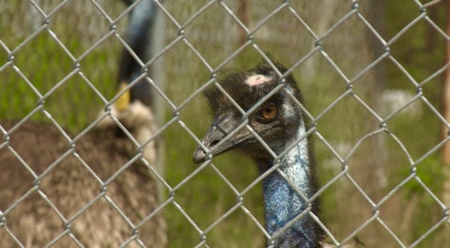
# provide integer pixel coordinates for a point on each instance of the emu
(278, 121)
(94, 190)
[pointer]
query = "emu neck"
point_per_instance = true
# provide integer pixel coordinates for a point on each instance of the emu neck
(283, 203)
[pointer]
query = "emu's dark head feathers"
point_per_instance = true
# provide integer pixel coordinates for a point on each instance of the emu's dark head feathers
(275, 118)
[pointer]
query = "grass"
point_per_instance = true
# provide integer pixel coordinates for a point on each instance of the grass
(377, 166)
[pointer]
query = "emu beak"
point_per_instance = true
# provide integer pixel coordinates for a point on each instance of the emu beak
(124, 100)
(217, 132)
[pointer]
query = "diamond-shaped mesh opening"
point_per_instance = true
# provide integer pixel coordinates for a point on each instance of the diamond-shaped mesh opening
(406, 129)
(417, 65)
(213, 181)
(17, 94)
(410, 202)
(68, 113)
(185, 11)
(94, 27)
(243, 57)
(376, 228)
(72, 192)
(411, 12)
(204, 34)
(187, 68)
(315, 85)
(34, 159)
(21, 172)
(373, 179)
(348, 122)
(23, 223)
(434, 11)
(28, 24)
(8, 237)
(285, 26)
(343, 189)
(67, 240)
(226, 230)
(44, 48)
(331, 11)
(100, 217)
(181, 226)
(101, 76)
(194, 222)
(342, 36)
(379, 152)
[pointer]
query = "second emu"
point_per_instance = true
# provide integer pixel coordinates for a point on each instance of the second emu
(57, 188)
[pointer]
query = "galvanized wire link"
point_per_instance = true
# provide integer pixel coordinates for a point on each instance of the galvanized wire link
(192, 27)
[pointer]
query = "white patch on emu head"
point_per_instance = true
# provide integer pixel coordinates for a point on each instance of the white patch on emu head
(257, 79)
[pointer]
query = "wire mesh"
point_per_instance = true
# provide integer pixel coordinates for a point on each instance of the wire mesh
(370, 74)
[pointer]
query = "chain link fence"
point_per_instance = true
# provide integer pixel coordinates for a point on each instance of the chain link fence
(371, 75)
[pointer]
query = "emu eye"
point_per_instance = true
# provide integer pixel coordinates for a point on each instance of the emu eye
(269, 112)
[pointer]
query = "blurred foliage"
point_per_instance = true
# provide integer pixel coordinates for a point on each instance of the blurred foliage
(378, 164)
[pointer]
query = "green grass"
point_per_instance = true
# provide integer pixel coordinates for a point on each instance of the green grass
(206, 196)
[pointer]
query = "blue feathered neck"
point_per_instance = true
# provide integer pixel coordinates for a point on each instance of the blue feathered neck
(283, 203)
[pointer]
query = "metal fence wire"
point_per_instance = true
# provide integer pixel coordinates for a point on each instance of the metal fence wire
(371, 75)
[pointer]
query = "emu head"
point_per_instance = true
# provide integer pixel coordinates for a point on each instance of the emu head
(257, 102)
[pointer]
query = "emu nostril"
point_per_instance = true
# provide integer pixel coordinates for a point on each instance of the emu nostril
(213, 143)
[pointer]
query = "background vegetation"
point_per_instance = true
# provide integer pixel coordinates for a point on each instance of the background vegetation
(378, 165)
